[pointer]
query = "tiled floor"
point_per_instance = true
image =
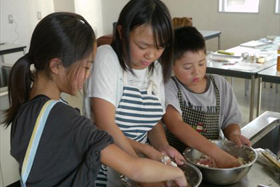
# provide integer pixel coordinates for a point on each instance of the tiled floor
(270, 99)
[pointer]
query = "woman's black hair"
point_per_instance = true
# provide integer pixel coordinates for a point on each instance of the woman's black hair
(62, 35)
(187, 38)
(141, 12)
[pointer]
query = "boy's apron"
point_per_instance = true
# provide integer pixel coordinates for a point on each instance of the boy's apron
(207, 124)
(137, 113)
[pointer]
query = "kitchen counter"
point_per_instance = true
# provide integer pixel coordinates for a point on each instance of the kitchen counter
(259, 130)
(258, 174)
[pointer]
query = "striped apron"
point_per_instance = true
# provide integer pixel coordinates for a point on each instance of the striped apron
(137, 113)
(207, 124)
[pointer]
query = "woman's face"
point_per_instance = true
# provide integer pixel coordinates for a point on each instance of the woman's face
(190, 69)
(143, 50)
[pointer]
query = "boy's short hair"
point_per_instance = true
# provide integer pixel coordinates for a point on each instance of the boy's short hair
(187, 38)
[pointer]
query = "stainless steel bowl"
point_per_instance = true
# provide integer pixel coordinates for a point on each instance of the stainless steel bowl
(224, 176)
(192, 173)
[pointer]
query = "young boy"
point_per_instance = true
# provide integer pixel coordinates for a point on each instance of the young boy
(200, 106)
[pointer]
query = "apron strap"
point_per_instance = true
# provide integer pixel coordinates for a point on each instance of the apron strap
(34, 140)
(217, 93)
(179, 93)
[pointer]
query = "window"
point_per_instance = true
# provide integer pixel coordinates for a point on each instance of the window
(277, 7)
(247, 6)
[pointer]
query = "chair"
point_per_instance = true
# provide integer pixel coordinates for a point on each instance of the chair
(106, 39)
(182, 21)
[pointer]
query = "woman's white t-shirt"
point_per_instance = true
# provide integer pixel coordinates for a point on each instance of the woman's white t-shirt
(106, 80)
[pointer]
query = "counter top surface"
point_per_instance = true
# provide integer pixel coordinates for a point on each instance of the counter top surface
(258, 174)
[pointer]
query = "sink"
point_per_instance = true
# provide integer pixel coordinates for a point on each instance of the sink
(264, 131)
(5, 70)
(4, 75)
(271, 140)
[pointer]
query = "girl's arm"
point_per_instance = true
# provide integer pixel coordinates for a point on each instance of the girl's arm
(140, 169)
(233, 133)
(146, 150)
(104, 116)
(158, 139)
(186, 134)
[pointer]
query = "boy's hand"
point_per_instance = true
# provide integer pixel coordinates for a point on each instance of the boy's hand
(240, 140)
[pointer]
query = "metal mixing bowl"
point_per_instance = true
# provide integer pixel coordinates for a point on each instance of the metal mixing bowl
(192, 173)
(224, 176)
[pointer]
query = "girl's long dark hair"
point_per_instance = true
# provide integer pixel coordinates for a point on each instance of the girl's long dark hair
(141, 12)
(66, 36)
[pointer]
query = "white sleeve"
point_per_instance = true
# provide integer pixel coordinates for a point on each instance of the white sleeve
(158, 79)
(104, 80)
(162, 98)
(231, 113)
(171, 95)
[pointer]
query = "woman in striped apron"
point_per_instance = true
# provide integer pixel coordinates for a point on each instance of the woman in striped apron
(127, 83)
(200, 106)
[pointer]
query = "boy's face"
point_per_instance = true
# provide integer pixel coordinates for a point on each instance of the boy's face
(191, 68)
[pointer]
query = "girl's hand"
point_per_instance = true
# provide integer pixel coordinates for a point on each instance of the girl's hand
(152, 153)
(173, 154)
(158, 184)
(182, 181)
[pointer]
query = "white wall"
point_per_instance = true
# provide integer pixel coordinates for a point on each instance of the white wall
(25, 19)
(64, 5)
(91, 10)
(111, 10)
(236, 27)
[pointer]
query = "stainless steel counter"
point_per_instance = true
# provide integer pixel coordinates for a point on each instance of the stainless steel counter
(258, 174)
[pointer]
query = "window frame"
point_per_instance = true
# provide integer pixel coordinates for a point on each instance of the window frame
(277, 7)
(223, 8)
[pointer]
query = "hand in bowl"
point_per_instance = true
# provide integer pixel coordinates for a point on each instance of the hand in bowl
(173, 154)
(240, 140)
(228, 161)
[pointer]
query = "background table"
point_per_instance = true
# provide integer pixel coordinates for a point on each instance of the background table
(268, 75)
(207, 35)
(10, 48)
(244, 70)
